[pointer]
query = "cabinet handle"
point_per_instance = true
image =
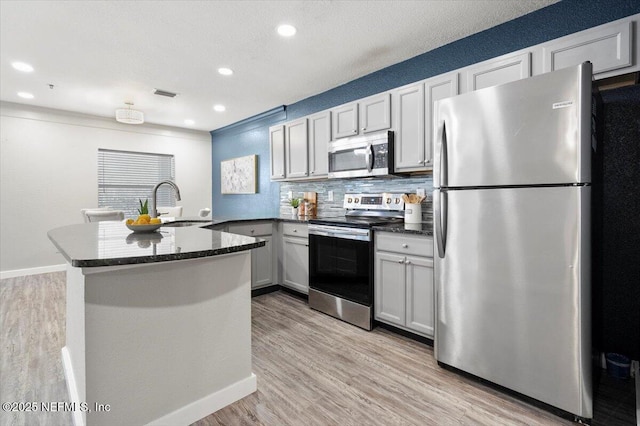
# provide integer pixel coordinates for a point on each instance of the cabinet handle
(401, 261)
(405, 245)
(406, 262)
(295, 230)
(312, 172)
(363, 129)
(252, 231)
(355, 131)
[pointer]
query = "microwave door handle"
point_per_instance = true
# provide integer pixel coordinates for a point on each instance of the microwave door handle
(370, 157)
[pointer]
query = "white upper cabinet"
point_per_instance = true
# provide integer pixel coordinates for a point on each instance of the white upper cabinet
(436, 88)
(276, 146)
(319, 137)
(500, 71)
(344, 121)
(409, 142)
(375, 113)
(607, 47)
(296, 149)
(413, 119)
(367, 115)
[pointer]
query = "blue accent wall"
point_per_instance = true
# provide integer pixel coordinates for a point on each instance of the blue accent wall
(248, 137)
(252, 137)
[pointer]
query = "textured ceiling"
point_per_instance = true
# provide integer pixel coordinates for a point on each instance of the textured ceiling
(101, 54)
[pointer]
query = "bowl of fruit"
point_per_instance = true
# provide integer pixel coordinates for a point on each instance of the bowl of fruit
(144, 222)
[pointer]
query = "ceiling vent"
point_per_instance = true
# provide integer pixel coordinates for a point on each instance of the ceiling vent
(160, 92)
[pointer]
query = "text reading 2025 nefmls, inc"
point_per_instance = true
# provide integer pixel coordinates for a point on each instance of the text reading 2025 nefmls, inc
(53, 406)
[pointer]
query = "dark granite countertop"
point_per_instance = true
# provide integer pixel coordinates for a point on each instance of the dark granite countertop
(112, 243)
(217, 220)
(422, 228)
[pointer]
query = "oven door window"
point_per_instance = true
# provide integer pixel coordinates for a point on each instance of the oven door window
(341, 267)
(348, 160)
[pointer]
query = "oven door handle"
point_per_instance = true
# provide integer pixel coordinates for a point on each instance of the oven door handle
(360, 235)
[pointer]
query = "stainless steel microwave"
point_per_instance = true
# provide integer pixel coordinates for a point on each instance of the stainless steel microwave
(362, 156)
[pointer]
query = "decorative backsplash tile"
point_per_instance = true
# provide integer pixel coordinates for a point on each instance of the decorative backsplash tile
(344, 186)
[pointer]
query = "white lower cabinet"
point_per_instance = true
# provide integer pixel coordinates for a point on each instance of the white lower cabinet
(403, 282)
(295, 256)
(262, 258)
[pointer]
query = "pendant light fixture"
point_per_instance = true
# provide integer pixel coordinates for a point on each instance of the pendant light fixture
(128, 115)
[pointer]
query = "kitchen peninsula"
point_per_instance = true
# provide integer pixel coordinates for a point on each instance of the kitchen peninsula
(158, 326)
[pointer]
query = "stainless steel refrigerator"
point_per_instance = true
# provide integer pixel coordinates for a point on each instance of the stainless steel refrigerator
(511, 198)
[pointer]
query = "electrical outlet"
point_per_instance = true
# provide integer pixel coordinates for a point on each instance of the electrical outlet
(329, 195)
(421, 192)
(290, 195)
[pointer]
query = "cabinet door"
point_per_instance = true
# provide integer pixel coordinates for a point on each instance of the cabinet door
(344, 121)
(492, 73)
(408, 107)
(435, 89)
(262, 264)
(420, 300)
(389, 288)
(276, 145)
(319, 137)
(607, 47)
(296, 149)
(375, 113)
(295, 263)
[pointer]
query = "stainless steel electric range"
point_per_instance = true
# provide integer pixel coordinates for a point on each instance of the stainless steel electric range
(341, 256)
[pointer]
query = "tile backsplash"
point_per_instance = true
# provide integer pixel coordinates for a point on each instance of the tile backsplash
(343, 186)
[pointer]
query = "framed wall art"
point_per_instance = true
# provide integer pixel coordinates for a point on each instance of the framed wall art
(238, 175)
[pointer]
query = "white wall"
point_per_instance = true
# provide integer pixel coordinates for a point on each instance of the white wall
(48, 172)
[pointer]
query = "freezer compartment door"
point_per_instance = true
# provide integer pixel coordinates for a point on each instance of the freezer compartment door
(528, 132)
(513, 291)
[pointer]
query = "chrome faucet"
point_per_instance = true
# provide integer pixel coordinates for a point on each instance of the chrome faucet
(154, 196)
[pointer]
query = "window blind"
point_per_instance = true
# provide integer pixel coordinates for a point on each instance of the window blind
(124, 177)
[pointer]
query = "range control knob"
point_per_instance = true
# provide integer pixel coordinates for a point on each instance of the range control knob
(349, 200)
(357, 200)
(388, 200)
(397, 200)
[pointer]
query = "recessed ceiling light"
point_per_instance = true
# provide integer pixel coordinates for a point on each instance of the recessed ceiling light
(219, 108)
(286, 30)
(22, 66)
(189, 122)
(225, 71)
(26, 95)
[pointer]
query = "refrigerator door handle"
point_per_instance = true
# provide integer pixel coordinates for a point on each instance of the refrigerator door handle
(440, 214)
(440, 163)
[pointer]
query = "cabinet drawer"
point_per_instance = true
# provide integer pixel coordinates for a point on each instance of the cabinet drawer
(405, 244)
(252, 229)
(295, 229)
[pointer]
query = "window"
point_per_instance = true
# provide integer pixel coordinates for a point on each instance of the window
(125, 177)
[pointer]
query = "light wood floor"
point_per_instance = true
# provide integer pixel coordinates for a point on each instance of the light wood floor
(312, 369)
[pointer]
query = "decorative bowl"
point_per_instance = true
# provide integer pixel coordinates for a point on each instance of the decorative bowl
(144, 228)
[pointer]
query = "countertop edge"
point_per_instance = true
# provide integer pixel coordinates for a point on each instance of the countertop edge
(92, 263)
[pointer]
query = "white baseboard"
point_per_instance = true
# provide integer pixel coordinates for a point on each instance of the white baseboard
(72, 387)
(209, 404)
(32, 271)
